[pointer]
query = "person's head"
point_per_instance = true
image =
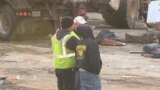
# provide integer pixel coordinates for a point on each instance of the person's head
(79, 20)
(85, 31)
(66, 22)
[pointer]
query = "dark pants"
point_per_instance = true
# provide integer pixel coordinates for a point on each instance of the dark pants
(77, 79)
(66, 79)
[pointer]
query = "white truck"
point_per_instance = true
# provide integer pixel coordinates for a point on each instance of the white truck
(153, 14)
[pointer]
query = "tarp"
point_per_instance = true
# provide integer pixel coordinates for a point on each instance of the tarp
(152, 49)
(107, 38)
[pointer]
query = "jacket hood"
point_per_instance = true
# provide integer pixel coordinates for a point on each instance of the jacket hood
(85, 31)
(61, 33)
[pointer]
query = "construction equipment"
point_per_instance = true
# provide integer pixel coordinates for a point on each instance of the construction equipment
(12, 12)
(119, 13)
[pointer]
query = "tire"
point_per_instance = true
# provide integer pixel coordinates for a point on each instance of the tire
(7, 22)
(125, 16)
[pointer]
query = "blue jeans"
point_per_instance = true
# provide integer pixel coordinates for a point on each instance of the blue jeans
(89, 81)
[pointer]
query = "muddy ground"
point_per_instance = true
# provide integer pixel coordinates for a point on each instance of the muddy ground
(27, 63)
(28, 66)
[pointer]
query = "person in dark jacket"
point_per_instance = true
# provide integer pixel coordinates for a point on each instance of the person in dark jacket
(88, 60)
(80, 21)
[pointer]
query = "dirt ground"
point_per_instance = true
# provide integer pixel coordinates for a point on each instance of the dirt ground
(28, 66)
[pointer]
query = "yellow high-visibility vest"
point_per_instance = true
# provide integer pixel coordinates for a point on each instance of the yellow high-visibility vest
(63, 57)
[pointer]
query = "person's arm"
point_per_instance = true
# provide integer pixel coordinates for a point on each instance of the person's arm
(72, 43)
(94, 57)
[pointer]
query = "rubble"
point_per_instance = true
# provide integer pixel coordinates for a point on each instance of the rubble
(2, 78)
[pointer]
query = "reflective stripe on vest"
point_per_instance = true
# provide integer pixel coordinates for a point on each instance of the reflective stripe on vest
(74, 34)
(65, 55)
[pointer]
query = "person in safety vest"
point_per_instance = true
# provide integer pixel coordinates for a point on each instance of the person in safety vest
(64, 45)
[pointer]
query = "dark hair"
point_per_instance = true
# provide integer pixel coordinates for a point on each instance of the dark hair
(66, 22)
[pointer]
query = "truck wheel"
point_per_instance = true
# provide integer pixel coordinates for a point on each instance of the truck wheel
(7, 22)
(126, 16)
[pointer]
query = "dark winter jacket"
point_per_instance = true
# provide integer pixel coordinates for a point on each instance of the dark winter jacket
(87, 51)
